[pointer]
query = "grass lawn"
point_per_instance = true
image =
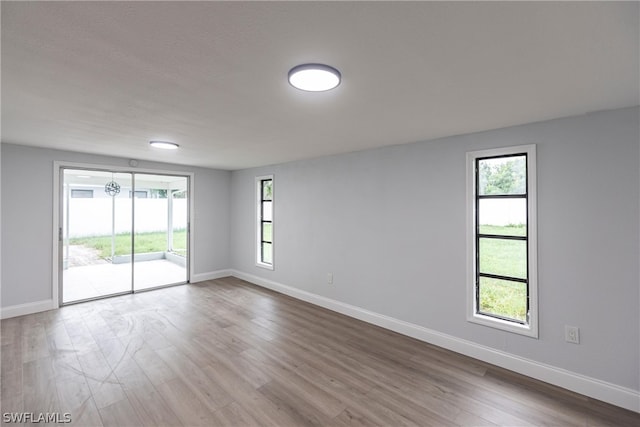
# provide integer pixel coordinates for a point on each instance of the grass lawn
(509, 230)
(145, 242)
(505, 258)
(267, 232)
(504, 298)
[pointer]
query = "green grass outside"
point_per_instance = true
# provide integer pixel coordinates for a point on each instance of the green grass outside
(267, 232)
(507, 299)
(145, 242)
(509, 230)
(505, 258)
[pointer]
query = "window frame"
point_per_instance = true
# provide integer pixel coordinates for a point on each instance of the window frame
(137, 194)
(75, 191)
(259, 221)
(530, 327)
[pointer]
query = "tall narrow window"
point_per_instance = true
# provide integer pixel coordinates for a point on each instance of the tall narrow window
(264, 191)
(502, 239)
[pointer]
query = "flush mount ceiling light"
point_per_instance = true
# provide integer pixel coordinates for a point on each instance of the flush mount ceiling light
(164, 145)
(314, 77)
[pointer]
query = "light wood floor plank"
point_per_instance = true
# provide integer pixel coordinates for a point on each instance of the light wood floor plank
(105, 386)
(153, 366)
(76, 399)
(120, 414)
(350, 418)
(286, 400)
(11, 331)
(251, 401)
(192, 375)
(298, 386)
(151, 408)
(185, 404)
(233, 415)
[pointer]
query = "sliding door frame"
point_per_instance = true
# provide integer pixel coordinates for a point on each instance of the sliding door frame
(57, 238)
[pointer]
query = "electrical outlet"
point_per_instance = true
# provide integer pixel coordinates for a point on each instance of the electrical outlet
(572, 334)
(330, 278)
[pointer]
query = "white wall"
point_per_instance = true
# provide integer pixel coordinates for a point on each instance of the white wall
(93, 217)
(27, 209)
(390, 225)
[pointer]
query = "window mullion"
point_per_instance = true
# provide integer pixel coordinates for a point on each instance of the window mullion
(501, 236)
(502, 196)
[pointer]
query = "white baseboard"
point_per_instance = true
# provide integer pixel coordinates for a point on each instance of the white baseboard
(195, 278)
(28, 308)
(588, 386)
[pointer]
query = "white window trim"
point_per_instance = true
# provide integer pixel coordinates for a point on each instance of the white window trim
(531, 328)
(258, 246)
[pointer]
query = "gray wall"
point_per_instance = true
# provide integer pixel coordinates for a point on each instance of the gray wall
(27, 209)
(390, 224)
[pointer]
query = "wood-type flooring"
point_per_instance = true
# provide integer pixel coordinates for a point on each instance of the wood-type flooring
(228, 353)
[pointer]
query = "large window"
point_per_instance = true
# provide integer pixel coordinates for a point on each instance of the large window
(264, 225)
(502, 239)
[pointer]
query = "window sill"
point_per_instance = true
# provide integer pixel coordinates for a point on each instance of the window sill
(265, 266)
(526, 330)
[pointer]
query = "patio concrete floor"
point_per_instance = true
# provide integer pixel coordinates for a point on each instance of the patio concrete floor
(95, 280)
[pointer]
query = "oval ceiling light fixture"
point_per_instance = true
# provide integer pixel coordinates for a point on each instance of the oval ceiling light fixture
(314, 77)
(164, 145)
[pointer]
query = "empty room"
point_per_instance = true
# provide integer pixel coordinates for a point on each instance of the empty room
(320, 213)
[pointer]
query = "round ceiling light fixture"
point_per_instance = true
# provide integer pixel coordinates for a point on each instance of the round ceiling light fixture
(164, 145)
(314, 77)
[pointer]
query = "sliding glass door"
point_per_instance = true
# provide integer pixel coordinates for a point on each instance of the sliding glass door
(122, 232)
(160, 206)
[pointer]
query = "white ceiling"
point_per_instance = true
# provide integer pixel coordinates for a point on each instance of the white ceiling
(107, 77)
